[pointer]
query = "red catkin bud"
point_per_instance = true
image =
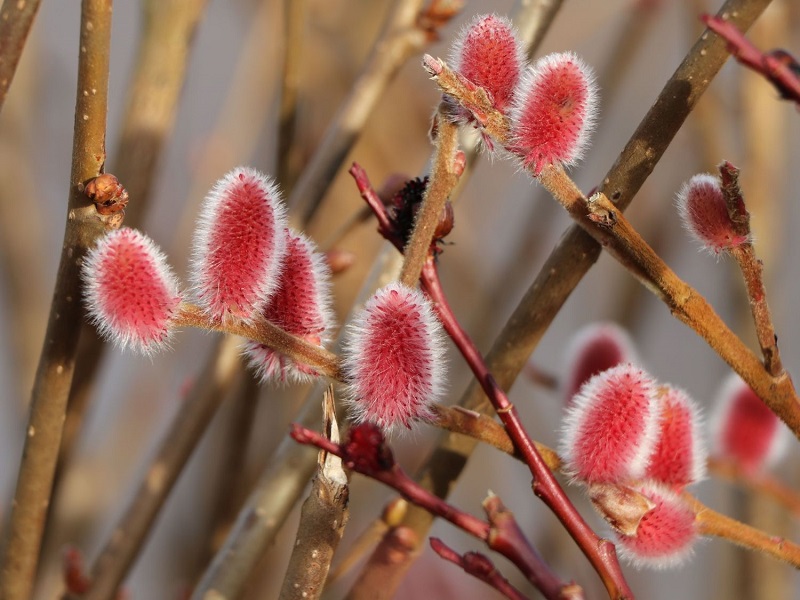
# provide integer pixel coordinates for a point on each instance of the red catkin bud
(394, 358)
(300, 306)
(130, 292)
(594, 349)
(704, 213)
(666, 533)
(554, 111)
(239, 245)
(488, 53)
(680, 456)
(610, 430)
(744, 430)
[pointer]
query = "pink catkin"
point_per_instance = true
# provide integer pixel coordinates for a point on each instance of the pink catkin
(130, 292)
(665, 535)
(593, 349)
(301, 306)
(239, 245)
(610, 430)
(488, 53)
(679, 458)
(394, 359)
(554, 111)
(704, 213)
(744, 429)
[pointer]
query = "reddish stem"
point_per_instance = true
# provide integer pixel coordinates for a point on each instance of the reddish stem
(777, 71)
(478, 566)
(600, 552)
(504, 536)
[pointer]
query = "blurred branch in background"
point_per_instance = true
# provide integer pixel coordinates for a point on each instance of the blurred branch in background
(16, 19)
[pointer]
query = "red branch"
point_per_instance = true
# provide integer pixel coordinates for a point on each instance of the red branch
(778, 67)
(366, 452)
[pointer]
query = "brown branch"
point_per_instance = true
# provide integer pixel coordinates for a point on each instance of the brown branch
(16, 19)
(154, 92)
(400, 39)
(294, 12)
(762, 484)
(325, 362)
(57, 361)
(187, 428)
(322, 519)
(533, 21)
(396, 551)
(711, 523)
(443, 179)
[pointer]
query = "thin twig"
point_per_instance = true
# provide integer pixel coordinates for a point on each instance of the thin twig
(16, 19)
(443, 179)
(185, 432)
(762, 484)
(322, 519)
(775, 70)
(601, 553)
(752, 270)
(57, 361)
(371, 457)
(710, 522)
(533, 21)
(294, 12)
(400, 39)
(479, 566)
(396, 550)
(325, 362)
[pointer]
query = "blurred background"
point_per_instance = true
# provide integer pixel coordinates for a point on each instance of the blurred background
(505, 228)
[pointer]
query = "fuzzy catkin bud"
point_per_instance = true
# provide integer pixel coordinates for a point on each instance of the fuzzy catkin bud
(300, 306)
(239, 245)
(130, 292)
(394, 358)
(704, 213)
(594, 349)
(610, 430)
(488, 53)
(554, 111)
(665, 534)
(744, 430)
(679, 458)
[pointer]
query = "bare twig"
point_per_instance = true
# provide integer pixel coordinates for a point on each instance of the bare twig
(752, 270)
(57, 361)
(533, 21)
(710, 522)
(325, 362)
(366, 453)
(294, 12)
(186, 430)
(395, 552)
(322, 519)
(400, 39)
(16, 19)
(447, 167)
(478, 566)
(775, 67)
(762, 484)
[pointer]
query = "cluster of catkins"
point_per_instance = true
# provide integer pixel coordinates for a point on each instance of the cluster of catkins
(249, 266)
(551, 104)
(637, 444)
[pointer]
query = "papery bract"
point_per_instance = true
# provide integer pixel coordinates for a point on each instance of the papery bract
(679, 458)
(610, 429)
(593, 349)
(394, 358)
(744, 429)
(704, 213)
(130, 292)
(554, 111)
(300, 306)
(666, 533)
(239, 245)
(488, 53)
